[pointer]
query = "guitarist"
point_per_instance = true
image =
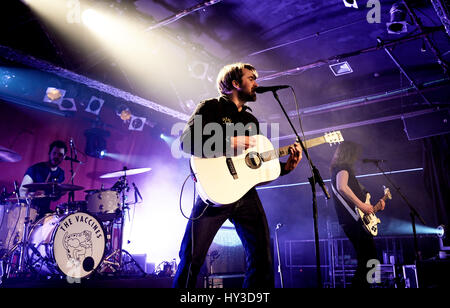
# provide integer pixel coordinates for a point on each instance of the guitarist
(236, 84)
(347, 186)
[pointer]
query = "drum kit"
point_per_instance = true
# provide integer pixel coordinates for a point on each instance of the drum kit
(78, 239)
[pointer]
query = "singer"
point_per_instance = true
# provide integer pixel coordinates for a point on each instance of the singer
(44, 172)
(237, 85)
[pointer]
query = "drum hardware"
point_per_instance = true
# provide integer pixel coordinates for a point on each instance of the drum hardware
(115, 260)
(20, 241)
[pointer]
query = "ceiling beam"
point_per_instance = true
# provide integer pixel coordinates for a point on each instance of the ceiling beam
(18, 57)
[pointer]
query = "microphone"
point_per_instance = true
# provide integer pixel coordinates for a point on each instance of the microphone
(137, 191)
(73, 159)
(375, 161)
(271, 88)
(279, 225)
(16, 189)
(72, 146)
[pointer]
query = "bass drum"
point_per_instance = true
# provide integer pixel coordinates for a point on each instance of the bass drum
(72, 244)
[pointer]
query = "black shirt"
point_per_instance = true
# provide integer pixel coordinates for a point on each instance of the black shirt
(218, 119)
(343, 215)
(208, 131)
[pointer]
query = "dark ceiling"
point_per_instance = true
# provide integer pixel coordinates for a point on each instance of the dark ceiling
(290, 42)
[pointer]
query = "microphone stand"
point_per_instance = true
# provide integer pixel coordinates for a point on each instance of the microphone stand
(313, 180)
(71, 197)
(413, 213)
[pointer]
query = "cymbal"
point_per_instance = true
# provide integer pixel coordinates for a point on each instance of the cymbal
(7, 155)
(127, 172)
(52, 186)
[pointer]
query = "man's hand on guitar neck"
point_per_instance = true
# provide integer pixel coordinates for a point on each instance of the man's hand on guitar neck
(370, 209)
(294, 158)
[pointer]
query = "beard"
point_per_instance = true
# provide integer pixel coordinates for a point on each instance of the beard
(247, 97)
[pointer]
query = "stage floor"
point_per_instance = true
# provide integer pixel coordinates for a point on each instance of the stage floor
(149, 281)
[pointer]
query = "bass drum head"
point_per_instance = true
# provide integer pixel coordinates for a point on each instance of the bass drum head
(79, 244)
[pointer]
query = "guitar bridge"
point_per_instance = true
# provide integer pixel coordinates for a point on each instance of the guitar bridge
(231, 168)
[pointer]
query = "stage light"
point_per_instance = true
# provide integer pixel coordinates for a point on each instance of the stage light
(198, 69)
(188, 106)
(95, 105)
(96, 142)
(341, 68)
(67, 104)
(54, 95)
(350, 3)
(123, 112)
(137, 123)
(398, 16)
(440, 231)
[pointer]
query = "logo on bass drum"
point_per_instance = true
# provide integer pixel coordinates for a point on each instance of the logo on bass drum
(79, 245)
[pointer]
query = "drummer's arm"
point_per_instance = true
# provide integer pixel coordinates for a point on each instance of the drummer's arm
(26, 180)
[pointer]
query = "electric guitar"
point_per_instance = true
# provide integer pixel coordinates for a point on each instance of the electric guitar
(371, 221)
(224, 180)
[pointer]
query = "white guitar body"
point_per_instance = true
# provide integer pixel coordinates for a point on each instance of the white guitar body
(218, 186)
(370, 221)
(224, 180)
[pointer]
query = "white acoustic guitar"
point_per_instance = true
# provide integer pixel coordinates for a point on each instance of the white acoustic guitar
(371, 221)
(224, 180)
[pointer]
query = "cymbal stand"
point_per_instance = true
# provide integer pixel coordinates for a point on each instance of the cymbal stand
(23, 244)
(117, 254)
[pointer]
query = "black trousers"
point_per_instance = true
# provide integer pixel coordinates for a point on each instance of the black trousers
(250, 222)
(364, 246)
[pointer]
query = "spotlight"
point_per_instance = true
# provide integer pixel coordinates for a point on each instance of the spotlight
(123, 112)
(96, 142)
(350, 3)
(341, 68)
(398, 19)
(188, 106)
(440, 231)
(54, 95)
(137, 123)
(198, 69)
(67, 104)
(95, 105)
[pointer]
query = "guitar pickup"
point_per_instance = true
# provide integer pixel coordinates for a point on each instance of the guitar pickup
(231, 168)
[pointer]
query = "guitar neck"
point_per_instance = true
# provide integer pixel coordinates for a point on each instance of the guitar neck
(283, 151)
(377, 206)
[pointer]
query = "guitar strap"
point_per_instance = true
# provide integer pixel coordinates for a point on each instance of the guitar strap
(347, 207)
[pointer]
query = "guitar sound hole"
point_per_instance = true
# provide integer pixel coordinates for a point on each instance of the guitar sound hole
(253, 160)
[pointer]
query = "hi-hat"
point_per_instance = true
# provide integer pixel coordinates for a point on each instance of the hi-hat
(52, 187)
(124, 172)
(7, 155)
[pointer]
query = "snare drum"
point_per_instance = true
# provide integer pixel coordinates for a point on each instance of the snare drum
(71, 244)
(104, 204)
(12, 223)
(71, 207)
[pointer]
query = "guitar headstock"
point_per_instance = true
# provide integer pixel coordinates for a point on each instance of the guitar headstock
(387, 192)
(333, 137)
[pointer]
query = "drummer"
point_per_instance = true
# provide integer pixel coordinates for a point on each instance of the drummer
(45, 172)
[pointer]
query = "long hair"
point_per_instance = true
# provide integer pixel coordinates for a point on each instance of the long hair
(347, 152)
(229, 73)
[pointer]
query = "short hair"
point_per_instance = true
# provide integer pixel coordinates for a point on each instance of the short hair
(229, 73)
(58, 144)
